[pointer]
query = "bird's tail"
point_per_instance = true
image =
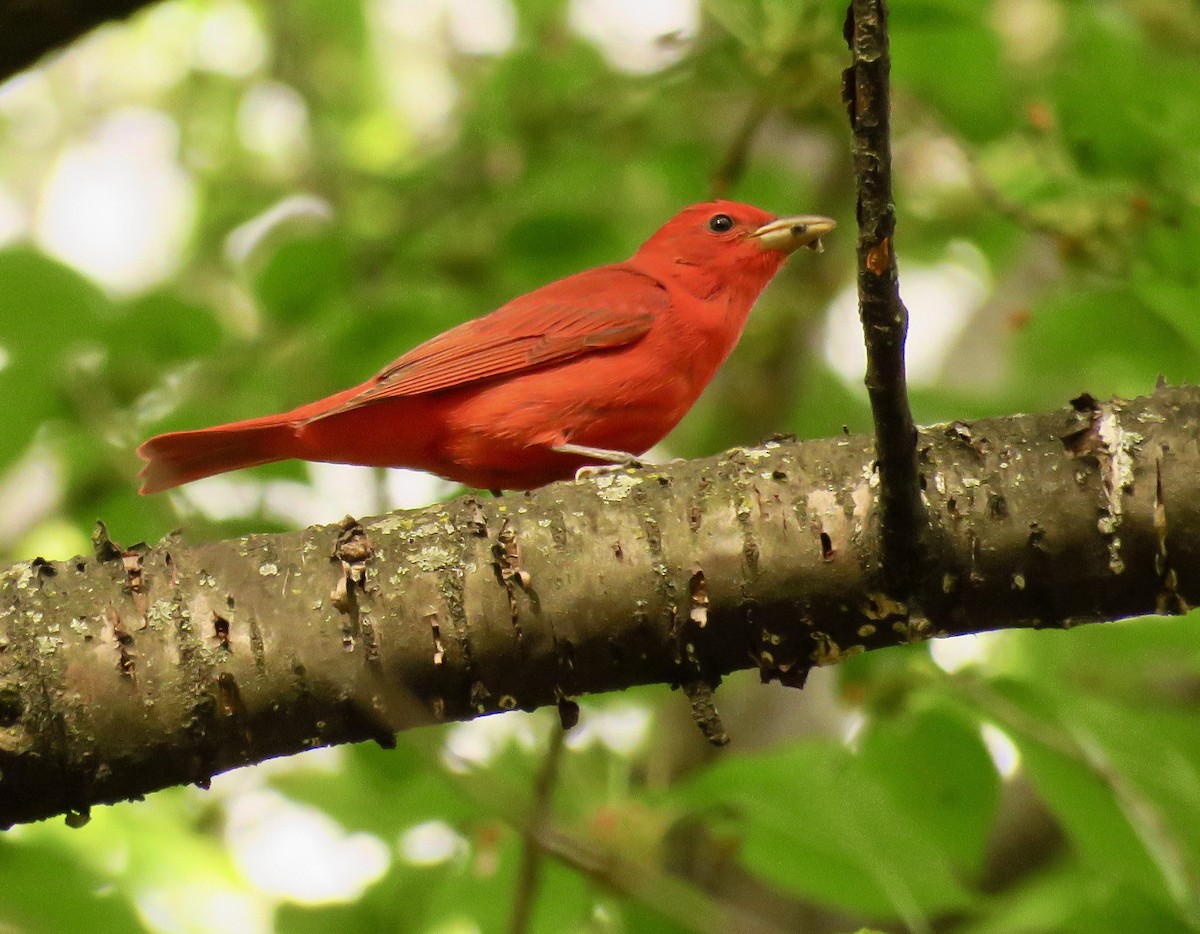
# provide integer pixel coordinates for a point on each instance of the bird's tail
(182, 456)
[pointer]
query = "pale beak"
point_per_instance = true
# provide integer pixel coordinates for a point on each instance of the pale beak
(790, 233)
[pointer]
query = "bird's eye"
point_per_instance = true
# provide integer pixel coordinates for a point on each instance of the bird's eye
(719, 223)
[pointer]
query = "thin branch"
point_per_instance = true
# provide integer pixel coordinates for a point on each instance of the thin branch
(884, 317)
(675, 896)
(1069, 239)
(535, 825)
(733, 163)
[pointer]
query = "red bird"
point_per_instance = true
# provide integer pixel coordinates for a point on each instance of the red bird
(594, 368)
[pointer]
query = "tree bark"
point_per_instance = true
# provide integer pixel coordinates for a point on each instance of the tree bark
(31, 28)
(866, 89)
(132, 670)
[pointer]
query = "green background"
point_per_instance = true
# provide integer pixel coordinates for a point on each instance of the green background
(1048, 196)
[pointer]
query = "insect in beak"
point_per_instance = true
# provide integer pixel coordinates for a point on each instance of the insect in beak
(788, 234)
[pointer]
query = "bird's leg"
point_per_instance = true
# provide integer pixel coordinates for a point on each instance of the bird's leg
(614, 460)
(623, 458)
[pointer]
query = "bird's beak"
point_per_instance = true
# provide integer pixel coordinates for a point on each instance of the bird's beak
(790, 233)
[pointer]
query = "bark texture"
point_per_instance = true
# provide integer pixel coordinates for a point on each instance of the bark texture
(866, 90)
(131, 670)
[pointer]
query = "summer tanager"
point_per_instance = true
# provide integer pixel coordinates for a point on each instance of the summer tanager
(594, 368)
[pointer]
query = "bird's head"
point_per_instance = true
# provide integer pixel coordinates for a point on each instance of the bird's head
(723, 244)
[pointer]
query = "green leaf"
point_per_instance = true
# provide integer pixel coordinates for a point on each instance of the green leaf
(1113, 345)
(46, 312)
(164, 328)
(42, 302)
(33, 401)
(1088, 761)
(812, 819)
(938, 772)
(1109, 94)
(47, 889)
(1160, 793)
(1068, 898)
(303, 275)
(946, 52)
(1086, 804)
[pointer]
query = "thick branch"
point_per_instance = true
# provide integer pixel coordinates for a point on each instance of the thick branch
(126, 672)
(31, 28)
(884, 317)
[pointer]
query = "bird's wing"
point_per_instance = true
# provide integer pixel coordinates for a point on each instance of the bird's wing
(591, 311)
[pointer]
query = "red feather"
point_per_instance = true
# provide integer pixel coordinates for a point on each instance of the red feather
(610, 358)
(595, 310)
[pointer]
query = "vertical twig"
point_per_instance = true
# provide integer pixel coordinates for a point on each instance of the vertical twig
(531, 855)
(733, 163)
(884, 317)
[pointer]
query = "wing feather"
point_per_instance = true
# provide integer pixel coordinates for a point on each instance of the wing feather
(595, 310)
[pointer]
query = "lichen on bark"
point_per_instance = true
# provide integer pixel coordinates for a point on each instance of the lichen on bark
(126, 671)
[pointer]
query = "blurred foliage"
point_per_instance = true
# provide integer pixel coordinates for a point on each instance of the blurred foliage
(364, 175)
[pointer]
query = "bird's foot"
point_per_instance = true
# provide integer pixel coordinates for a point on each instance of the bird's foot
(591, 471)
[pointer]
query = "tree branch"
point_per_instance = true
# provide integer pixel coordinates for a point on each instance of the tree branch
(31, 28)
(536, 824)
(884, 317)
(733, 162)
(131, 670)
